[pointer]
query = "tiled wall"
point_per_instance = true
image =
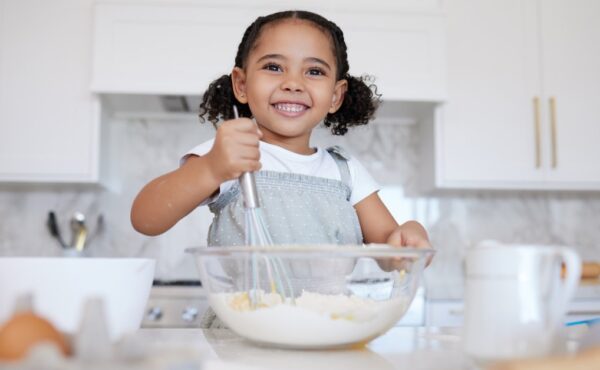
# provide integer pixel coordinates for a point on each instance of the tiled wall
(141, 149)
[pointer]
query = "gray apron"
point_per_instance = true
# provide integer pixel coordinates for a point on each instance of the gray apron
(297, 209)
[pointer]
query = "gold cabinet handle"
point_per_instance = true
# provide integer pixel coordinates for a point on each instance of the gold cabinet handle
(553, 131)
(537, 128)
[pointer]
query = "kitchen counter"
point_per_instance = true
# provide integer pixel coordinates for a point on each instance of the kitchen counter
(410, 348)
(400, 348)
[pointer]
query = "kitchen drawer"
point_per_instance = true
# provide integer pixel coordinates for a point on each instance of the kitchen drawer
(444, 313)
(583, 309)
(450, 313)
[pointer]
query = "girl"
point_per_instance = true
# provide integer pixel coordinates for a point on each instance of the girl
(290, 73)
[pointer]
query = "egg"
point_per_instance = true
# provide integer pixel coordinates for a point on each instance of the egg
(24, 331)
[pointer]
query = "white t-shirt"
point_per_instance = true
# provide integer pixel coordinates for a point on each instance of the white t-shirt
(320, 164)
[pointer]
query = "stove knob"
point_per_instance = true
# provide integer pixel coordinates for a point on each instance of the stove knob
(189, 314)
(154, 314)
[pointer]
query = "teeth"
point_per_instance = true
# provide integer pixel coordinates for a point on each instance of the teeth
(294, 108)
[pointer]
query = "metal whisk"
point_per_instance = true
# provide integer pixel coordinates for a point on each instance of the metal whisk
(257, 234)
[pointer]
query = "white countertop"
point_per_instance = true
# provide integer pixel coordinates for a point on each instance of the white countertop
(410, 348)
(400, 348)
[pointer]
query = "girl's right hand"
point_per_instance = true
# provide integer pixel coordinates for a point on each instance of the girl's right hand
(235, 149)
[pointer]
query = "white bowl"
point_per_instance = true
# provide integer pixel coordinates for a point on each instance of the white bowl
(61, 286)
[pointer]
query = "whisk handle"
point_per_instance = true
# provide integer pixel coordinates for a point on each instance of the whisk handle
(248, 185)
(247, 181)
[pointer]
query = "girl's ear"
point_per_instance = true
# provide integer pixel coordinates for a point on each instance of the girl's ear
(238, 81)
(339, 92)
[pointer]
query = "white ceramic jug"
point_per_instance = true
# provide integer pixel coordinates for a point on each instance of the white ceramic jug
(515, 299)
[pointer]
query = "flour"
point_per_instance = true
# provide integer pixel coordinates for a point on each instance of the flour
(315, 321)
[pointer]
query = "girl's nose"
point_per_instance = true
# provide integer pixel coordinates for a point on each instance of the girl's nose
(292, 83)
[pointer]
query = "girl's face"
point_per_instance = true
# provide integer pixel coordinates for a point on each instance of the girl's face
(290, 82)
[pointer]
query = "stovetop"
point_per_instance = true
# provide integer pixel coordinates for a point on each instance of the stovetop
(175, 304)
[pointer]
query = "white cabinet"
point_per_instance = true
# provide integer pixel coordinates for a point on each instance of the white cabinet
(523, 108)
(571, 77)
(48, 117)
(403, 51)
(450, 313)
(180, 47)
(157, 48)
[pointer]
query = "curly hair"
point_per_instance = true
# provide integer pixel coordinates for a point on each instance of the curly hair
(361, 99)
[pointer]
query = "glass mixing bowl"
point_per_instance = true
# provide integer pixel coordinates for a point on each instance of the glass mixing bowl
(323, 296)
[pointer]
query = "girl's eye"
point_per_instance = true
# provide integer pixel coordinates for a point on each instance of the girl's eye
(316, 72)
(272, 67)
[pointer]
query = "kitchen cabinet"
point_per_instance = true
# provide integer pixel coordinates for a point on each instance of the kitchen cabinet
(571, 79)
(404, 52)
(523, 96)
(49, 128)
(447, 313)
(178, 48)
(450, 313)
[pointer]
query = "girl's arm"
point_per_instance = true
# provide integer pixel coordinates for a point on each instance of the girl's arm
(378, 225)
(167, 199)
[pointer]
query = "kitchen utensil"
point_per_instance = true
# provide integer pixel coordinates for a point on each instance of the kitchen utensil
(81, 238)
(78, 231)
(99, 229)
(61, 286)
(52, 225)
(516, 300)
(257, 233)
(343, 296)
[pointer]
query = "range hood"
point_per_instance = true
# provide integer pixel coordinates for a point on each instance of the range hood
(182, 106)
(143, 105)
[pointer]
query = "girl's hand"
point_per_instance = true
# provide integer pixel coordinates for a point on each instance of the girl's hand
(410, 234)
(235, 149)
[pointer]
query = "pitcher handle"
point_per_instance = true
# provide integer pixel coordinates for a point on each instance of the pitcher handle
(570, 282)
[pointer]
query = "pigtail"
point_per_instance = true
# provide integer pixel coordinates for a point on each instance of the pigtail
(218, 100)
(360, 103)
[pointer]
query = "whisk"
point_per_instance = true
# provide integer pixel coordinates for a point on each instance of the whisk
(257, 234)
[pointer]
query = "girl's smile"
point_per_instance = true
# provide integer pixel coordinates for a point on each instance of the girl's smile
(289, 82)
(290, 109)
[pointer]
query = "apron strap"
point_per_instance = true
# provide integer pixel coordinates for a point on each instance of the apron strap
(341, 159)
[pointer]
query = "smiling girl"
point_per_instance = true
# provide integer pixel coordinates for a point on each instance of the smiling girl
(290, 74)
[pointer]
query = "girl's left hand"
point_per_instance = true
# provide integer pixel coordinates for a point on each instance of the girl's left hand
(410, 234)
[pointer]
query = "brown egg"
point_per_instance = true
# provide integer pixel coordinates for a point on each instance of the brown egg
(25, 330)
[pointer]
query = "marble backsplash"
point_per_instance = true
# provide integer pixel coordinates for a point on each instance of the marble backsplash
(140, 149)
